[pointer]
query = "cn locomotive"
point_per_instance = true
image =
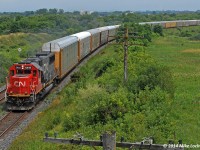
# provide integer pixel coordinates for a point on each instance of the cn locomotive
(32, 79)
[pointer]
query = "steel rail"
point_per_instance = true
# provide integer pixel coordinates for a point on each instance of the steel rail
(12, 124)
(3, 94)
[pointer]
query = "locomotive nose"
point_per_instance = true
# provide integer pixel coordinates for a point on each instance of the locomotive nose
(20, 86)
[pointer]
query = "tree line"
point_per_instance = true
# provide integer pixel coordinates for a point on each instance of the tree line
(56, 20)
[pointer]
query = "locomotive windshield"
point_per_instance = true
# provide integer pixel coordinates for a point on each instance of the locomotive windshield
(23, 69)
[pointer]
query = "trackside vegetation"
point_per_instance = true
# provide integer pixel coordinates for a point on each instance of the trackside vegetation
(98, 100)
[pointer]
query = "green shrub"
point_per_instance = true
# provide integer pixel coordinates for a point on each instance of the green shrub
(196, 37)
(70, 123)
(158, 29)
(185, 34)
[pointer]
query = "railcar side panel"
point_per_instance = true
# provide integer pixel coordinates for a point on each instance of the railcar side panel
(103, 35)
(193, 22)
(83, 43)
(186, 23)
(170, 24)
(198, 22)
(180, 23)
(112, 33)
(95, 39)
(68, 58)
(84, 47)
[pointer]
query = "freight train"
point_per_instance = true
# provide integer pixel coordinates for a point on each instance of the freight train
(31, 79)
(173, 24)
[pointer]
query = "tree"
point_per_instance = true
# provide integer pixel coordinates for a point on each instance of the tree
(61, 11)
(15, 27)
(158, 29)
(42, 11)
(28, 13)
(53, 11)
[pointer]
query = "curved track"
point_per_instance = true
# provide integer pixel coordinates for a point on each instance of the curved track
(2, 94)
(9, 121)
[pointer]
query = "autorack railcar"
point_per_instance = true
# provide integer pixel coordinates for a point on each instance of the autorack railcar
(83, 44)
(66, 54)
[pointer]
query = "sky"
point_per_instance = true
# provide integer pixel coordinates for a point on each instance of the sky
(99, 5)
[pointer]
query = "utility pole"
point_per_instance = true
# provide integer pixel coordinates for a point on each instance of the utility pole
(126, 55)
(125, 43)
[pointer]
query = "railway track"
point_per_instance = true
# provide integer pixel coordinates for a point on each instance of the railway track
(2, 93)
(10, 121)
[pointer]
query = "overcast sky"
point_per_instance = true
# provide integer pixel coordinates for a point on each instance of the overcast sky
(99, 5)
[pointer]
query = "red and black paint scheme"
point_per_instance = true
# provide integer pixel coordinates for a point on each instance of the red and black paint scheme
(29, 81)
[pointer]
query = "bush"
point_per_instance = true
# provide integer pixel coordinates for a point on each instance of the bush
(158, 29)
(185, 34)
(196, 37)
(145, 72)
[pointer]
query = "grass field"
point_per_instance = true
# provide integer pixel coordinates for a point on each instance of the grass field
(183, 58)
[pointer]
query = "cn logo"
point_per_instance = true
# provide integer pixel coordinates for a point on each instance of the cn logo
(19, 84)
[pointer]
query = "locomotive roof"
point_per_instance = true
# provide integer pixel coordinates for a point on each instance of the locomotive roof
(82, 35)
(58, 44)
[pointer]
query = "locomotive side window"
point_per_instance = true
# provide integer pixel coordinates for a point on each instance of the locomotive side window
(12, 72)
(34, 73)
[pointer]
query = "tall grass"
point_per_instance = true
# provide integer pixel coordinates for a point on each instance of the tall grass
(182, 56)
